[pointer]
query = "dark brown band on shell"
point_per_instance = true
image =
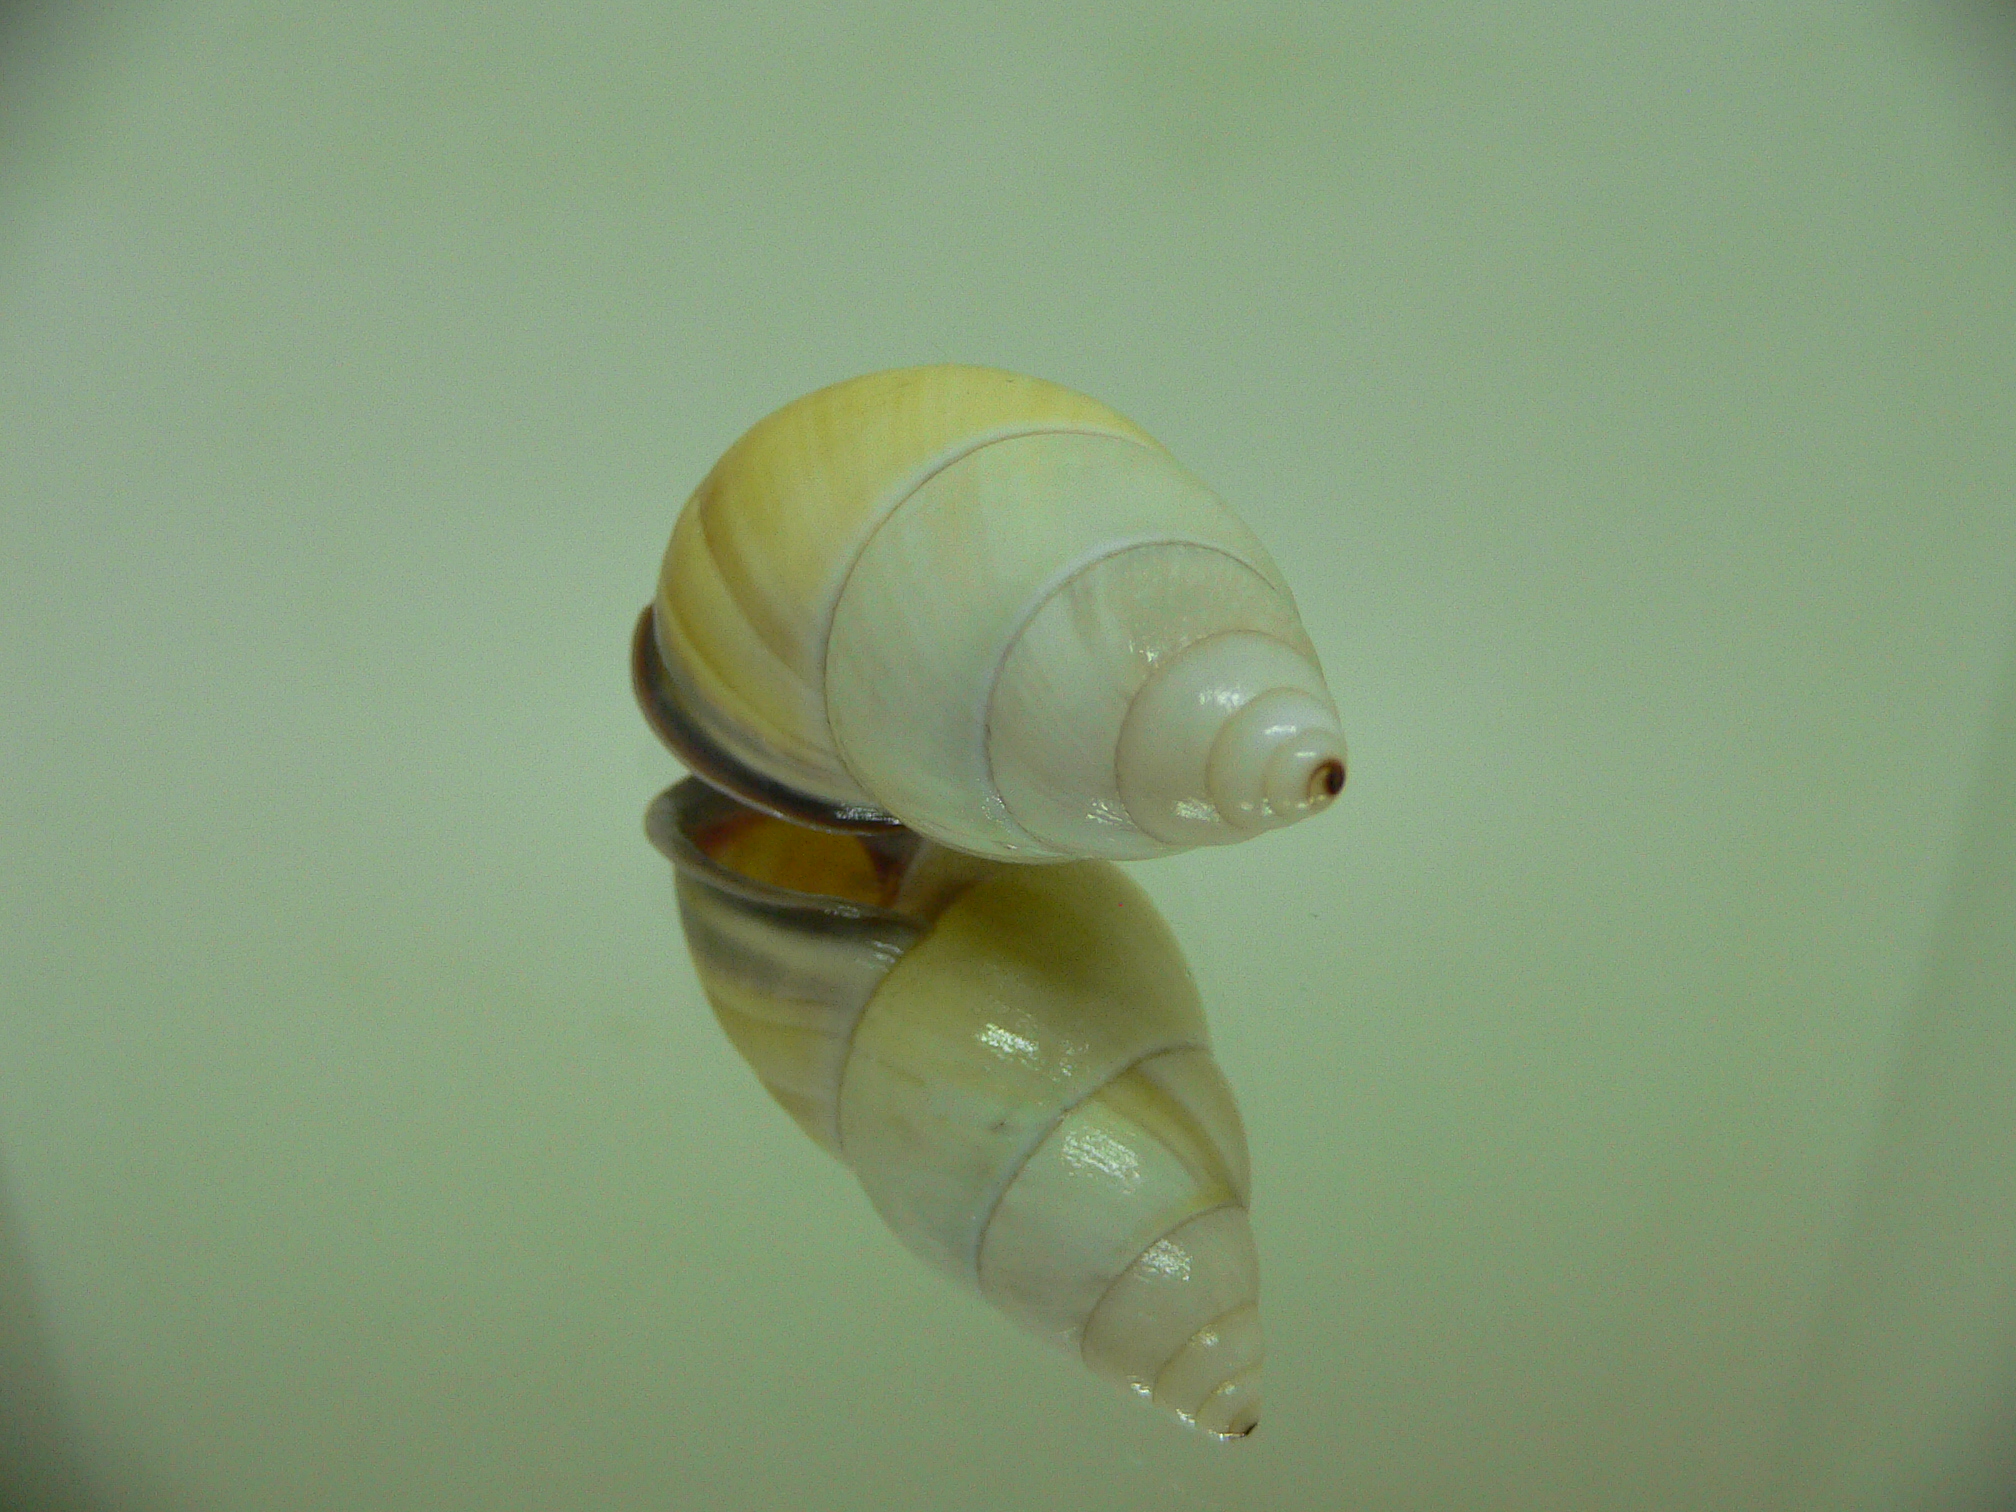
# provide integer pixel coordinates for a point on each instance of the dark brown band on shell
(659, 699)
(688, 808)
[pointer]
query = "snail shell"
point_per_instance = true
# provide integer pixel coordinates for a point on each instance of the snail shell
(993, 610)
(1015, 1065)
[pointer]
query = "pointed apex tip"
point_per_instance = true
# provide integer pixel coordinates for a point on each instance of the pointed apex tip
(1232, 1412)
(1304, 761)
(1327, 781)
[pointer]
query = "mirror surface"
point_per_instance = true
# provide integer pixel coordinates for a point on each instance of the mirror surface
(1625, 392)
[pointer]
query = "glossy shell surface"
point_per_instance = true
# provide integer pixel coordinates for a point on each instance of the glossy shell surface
(1014, 1063)
(991, 608)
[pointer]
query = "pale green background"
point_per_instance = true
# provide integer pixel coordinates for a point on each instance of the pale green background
(1628, 389)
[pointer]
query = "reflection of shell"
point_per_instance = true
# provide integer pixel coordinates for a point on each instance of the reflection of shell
(1014, 1063)
(994, 609)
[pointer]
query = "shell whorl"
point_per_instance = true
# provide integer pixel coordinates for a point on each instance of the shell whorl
(1015, 1065)
(981, 603)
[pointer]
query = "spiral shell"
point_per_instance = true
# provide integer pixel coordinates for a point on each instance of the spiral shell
(993, 610)
(1014, 1063)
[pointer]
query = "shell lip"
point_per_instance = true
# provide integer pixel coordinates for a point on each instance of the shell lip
(665, 711)
(687, 807)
